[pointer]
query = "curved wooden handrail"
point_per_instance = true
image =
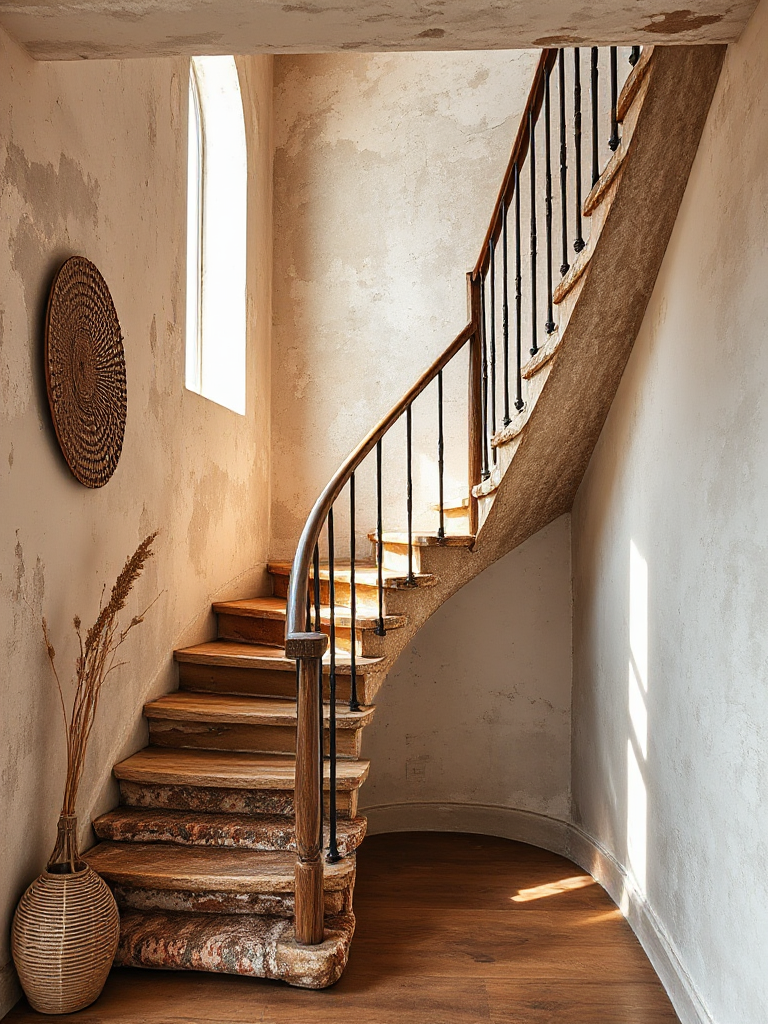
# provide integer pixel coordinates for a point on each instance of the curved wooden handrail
(297, 592)
(519, 149)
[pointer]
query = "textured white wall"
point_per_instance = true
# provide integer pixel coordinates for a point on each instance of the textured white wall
(387, 167)
(476, 711)
(93, 161)
(670, 561)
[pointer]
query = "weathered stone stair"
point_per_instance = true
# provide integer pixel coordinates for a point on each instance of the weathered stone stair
(200, 853)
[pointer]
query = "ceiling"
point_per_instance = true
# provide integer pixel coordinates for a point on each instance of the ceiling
(81, 29)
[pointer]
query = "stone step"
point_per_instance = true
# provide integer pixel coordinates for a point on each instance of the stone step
(366, 583)
(230, 722)
(262, 947)
(261, 620)
(222, 666)
(205, 879)
(228, 781)
(198, 828)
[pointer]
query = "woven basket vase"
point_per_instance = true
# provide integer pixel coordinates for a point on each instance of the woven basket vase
(64, 938)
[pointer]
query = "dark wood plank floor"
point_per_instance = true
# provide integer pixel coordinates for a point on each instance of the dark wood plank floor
(451, 929)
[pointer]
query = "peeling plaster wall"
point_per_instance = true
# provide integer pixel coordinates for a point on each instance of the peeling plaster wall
(386, 171)
(78, 29)
(670, 561)
(476, 713)
(93, 161)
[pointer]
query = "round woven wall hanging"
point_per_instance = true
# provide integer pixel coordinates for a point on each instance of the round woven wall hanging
(85, 371)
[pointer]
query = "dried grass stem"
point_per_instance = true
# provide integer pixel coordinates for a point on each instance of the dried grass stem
(95, 661)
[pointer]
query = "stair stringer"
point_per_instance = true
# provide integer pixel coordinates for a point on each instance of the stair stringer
(602, 313)
(602, 302)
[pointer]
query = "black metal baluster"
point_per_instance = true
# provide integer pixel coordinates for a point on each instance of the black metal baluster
(333, 850)
(410, 578)
(505, 308)
(318, 629)
(321, 747)
(549, 326)
(316, 586)
(593, 92)
(613, 142)
(564, 266)
(518, 297)
(578, 243)
(354, 703)
(485, 472)
(379, 630)
(532, 162)
(492, 276)
(634, 56)
(440, 455)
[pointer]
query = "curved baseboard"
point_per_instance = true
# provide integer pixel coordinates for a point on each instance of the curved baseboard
(482, 819)
(568, 840)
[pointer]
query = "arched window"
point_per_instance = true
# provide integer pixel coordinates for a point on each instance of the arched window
(217, 207)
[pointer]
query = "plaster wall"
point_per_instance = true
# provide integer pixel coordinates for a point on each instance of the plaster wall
(93, 161)
(475, 715)
(83, 29)
(386, 170)
(670, 562)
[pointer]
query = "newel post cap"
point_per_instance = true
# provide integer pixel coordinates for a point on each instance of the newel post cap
(305, 645)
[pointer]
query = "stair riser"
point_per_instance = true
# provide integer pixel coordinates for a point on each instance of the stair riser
(181, 901)
(259, 739)
(261, 682)
(367, 595)
(230, 801)
(396, 558)
(234, 944)
(272, 631)
(278, 835)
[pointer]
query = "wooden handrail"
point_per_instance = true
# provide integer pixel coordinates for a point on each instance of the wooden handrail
(519, 149)
(297, 591)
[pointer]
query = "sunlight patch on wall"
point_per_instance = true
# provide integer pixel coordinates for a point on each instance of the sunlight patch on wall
(637, 742)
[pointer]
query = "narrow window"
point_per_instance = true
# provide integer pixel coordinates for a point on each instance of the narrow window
(217, 207)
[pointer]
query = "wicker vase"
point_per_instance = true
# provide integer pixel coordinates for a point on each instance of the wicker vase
(65, 931)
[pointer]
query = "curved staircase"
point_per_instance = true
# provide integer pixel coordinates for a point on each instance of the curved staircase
(202, 851)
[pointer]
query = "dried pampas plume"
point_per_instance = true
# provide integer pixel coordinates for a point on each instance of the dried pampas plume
(94, 663)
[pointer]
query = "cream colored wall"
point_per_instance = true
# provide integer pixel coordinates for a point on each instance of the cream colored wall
(670, 561)
(386, 170)
(93, 161)
(472, 727)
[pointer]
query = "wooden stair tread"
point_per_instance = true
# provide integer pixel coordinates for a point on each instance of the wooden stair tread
(206, 868)
(365, 574)
(427, 540)
(454, 511)
(275, 608)
(185, 706)
(226, 769)
(216, 829)
(232, 654)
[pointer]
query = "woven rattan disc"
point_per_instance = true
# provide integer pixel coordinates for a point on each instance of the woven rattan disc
(85, 371)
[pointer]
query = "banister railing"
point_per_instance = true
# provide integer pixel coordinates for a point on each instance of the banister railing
(559, 72)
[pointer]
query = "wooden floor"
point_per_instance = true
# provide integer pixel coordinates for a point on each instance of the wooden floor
(451, 929)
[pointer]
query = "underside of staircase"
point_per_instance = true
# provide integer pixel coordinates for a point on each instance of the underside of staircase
(201, 852)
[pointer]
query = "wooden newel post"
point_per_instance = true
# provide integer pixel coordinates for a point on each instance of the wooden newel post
(308, 650)
(475, 401)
